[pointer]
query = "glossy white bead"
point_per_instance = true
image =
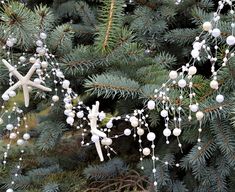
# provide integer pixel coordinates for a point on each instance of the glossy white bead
(9, 127)
(166, 132)
(195, 53)
(22, 59)
(146, 151)
(32, 60)
(216, 32)
(80, 114)
(13, 136)
(199, 115)
(164, 113)
(43, 35)
(176, 132)
(140, 131)
(230, 40)
(182, 83)
(95, 138)
(66, 84)
(55, 98)
(39, 43)
(207, 26)
(197, 46)
(192, 70)
(26, 136)
(9, 43)
(109, 124)
(9, 190)
(44, 64)
(127, 132)
(106, 141)
(70, 120)
(151, 136)
(194, 108)
(20, 142)
(220, 98)
(151, 104)
(173, 74)
(214, 84)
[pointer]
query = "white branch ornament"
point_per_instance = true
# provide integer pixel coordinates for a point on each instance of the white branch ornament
(24, 81)
(93, 117)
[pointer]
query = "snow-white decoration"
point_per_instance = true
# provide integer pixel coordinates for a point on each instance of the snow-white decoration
(93, 117)
(24, 81)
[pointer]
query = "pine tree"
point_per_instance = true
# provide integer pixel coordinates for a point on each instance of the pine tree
(119, 52)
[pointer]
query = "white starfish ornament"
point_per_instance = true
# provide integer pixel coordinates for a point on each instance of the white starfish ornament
(24, 81)
(95, 132)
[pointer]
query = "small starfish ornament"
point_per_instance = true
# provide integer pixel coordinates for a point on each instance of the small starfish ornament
(24, 81)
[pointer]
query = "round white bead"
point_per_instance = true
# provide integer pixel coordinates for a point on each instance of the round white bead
(164, 113)
(127, 132)
(5, 97)
(68, 106)
(13, 136)
(20, 142)
(9, 43)
(22, 59)
(151, 104)
(220, 98)
(37, 80)
(215, 32)
(26, 136)
(134, 123)
(106, 141)
(95, 138)
(32, 59)
(102, 115)
(140, 131)
(12, 93)
(197, 46)
(80, 114)
(146, 151)
(44, 64)
(109, 124)
(182, 83)
(195, 53)
(166, 132)
(173, 74)
(9, 190)
(176, 132)
(9, 127)
(214, 84)
(39, 43)
(194, 108)
(70, 120)
(66, 84)
(199, 115)
(207, 26)
(192, 70)
(230, 40)
(43, 35)
(55, 98)
(151, 136)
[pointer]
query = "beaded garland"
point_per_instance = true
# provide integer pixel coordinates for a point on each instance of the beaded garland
(182, 78)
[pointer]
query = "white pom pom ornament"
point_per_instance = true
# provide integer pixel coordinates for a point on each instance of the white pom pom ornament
(140, 131)
(164, 113)
(192, 70)
(55, 98)
(80, 114)
(215, 32)
(13, 136)
(195, 53)
(194, 108)
(9, 190)
(9, 127)
(214, 84)
(199, 115)
(26, 136)
(20, 142)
